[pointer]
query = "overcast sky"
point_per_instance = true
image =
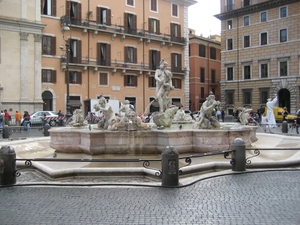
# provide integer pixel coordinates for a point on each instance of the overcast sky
(201, 17)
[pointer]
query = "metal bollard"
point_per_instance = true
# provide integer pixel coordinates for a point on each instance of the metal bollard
(5, 131)
(46, 130)
(238, 148)
(284, 127)
(170, 167)
(7, 165)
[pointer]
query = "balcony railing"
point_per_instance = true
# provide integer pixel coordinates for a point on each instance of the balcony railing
(119, 30)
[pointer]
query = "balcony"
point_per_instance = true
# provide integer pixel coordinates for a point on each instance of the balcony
(118, 31)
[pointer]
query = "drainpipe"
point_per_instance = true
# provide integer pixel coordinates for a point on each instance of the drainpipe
(144, 94)
(88, 90)
(238, 58)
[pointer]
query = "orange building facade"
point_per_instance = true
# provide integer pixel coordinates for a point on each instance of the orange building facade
(114, 49)
(205, 69)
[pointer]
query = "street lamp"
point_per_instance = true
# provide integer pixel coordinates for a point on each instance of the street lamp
(65, 26)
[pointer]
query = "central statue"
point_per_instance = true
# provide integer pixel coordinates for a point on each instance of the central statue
(164, 86)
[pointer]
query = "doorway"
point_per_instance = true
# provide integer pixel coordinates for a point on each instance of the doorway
(284, 99)
(48, 101)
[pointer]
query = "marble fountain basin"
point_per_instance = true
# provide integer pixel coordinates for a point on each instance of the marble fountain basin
(185, 140)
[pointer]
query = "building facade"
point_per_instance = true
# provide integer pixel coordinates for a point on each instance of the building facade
(205, 68)
(112, 48)
(260, 53)
(20, 56)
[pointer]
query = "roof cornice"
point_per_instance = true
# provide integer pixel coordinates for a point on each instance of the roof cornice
(253, 8)
(183, 2)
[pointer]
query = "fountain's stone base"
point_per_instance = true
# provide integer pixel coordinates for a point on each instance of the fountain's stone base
(95, 142)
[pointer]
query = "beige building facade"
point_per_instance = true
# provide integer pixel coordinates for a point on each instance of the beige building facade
(20, 56)
(260, 53)
(114, 49)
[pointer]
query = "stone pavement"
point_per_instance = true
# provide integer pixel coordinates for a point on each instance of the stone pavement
(270, 198)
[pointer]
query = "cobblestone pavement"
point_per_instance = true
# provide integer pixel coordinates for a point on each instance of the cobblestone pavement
(269, 198)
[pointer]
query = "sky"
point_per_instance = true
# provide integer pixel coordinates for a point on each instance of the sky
(201, 17)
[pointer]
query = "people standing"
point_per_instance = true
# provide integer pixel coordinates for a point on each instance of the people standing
(60, 117)
(264, 122)
(298, 123)
(7, 118)
(18, 117)
(285, 113)
(223, 115)
(1, 119)
(26, 122)
(270, 113)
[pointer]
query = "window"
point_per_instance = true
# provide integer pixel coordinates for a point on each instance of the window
(130, 55)
(176, 62)
(247, 96)
(130, 2)
(263, 17)
(247, 72)
(283, 67)
(264, 70)
(246, 3)
(103, 79)
(283, 12)
(74, 77)
(175, 32)
(213, 54)
(229, 73)
(263, 38)
(103, 54)
(213, 76)
(74, 11)
(246, 21)
(153, 6)
(154, 26)
(48, 7)
(202, 93)
(229, 5)
(154, 59)
(176, 82)
(202, 49)
(48, 44)
(49, 76)
(202, 75)
(75, 51)
(230, 97)
(130, 23)
(264, 95)
(283, 35)
(151, 82)
(246, 41)
(229, 24)
(229, 44)
(175, 10)
(130, 80)
(103, 16)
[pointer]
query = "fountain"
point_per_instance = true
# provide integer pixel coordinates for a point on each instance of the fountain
(129, 135)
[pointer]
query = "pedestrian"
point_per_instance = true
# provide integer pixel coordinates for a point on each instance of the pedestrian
(1, 119)
(45, 120)
(223, 115)
(264, 122)
(298, 123)
(7, 117)
(60, 117)
(285, 113)
(18, 117)
(26, 122)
